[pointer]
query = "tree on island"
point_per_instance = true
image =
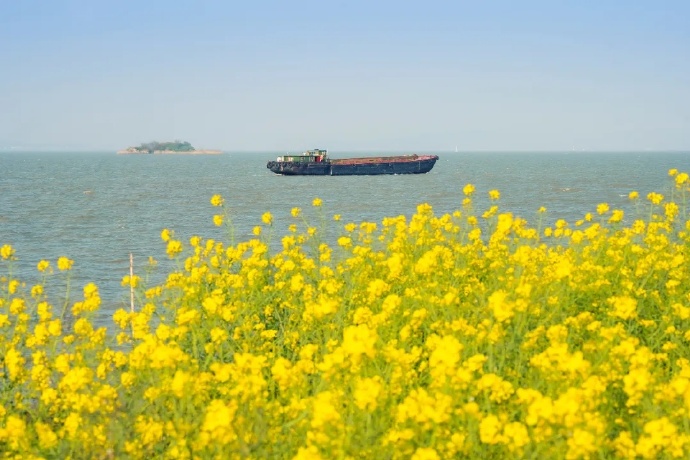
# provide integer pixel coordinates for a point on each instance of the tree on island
(174, 146)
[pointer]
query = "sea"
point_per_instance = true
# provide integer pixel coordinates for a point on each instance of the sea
(97, 208)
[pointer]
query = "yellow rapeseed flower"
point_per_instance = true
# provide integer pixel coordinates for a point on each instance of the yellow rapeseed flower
(174, 247)
(4, 320)
(43, 265)
(490, 430)
(132, 281)
(63, 263)
(616, 216)
(655, 198)
(47, 439)
(671, 210)
(582, 444)
(267, 218)
(425, 453)
(468, 190)
(602, 208)
(633, 195)
(490, 212)
(37, 290)
(217, 200)
(624, 307)
(500, 306)
(6, 251)
(218, 220)
(317, 202)
(15, 431)
(367, 393)
(295, 212)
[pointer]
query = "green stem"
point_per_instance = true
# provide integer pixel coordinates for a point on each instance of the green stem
(64, 306)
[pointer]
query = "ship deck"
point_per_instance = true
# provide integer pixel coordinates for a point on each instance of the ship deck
(386, 159)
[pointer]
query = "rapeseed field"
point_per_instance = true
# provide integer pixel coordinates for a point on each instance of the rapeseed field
(468, 335)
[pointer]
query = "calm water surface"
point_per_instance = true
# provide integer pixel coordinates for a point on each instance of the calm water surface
(97, 208)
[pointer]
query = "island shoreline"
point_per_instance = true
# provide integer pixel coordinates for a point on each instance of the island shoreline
(170, 152)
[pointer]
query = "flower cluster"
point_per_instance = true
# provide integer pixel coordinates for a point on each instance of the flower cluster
(466, 335)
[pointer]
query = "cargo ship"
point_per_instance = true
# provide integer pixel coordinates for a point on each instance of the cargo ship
(317, 163)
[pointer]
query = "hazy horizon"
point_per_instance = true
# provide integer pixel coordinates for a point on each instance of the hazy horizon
(268, 76)
(370, 151)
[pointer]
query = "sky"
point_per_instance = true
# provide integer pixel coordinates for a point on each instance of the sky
(346, 75)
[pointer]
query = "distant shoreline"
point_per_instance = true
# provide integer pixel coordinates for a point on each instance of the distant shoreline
(169, 152)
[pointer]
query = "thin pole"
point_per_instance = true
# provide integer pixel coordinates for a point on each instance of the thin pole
(131, 285)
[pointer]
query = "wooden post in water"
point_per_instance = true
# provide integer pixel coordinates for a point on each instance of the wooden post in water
(131, 285)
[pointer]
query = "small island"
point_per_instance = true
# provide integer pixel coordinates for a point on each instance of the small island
(167, 148)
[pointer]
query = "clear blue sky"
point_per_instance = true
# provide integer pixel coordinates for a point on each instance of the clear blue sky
(346, 75)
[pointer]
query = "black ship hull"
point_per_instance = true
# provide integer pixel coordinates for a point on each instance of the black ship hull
(355, 167)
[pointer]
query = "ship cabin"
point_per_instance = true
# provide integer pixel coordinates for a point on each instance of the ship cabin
(310, 156)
